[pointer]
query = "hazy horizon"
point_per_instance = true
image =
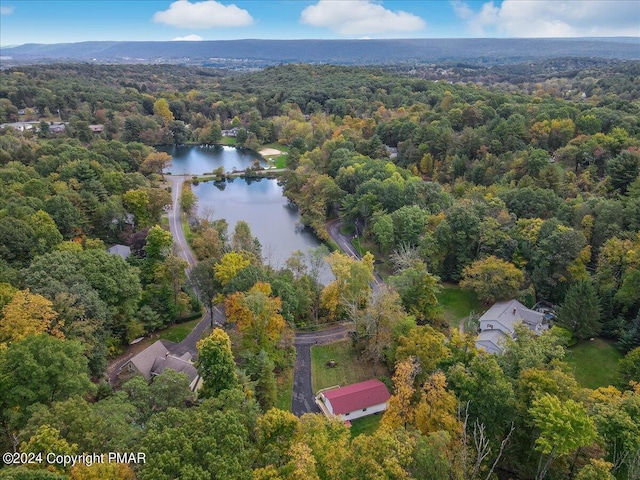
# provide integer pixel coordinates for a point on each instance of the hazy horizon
(43, 22)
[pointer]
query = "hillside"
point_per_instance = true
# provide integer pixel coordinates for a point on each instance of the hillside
(254, 53)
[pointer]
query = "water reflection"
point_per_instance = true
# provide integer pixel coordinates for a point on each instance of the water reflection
(260, 203)
(201, 159)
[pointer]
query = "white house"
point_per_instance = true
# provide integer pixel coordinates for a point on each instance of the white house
(354, 401)
(499, 322)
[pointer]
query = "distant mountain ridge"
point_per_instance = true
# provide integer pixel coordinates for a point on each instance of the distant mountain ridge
(354, 52)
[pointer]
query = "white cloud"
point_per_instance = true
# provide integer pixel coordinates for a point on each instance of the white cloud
(552, 18)
(7, 9)
(188, 38)
(207, 14)
(359, 17)
(462, 10)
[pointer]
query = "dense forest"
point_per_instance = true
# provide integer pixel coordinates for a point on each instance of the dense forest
(506, 184)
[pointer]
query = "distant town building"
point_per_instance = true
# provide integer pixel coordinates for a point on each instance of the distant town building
(232, 132)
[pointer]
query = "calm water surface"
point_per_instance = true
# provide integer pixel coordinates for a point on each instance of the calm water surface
(260, 203)
(201, 159)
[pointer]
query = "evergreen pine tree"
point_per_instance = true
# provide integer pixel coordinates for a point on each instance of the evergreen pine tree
(580, 311)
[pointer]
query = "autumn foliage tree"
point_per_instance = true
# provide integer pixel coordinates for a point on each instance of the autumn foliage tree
(564, 427)
(400, 409)
(492, 279)
(155, 162)
(28, 314)
(257, 315)
(215, 363)
(351, 288)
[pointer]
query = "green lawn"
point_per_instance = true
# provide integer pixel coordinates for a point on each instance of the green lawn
(178, 332)
(280, 161)
(458, 304)
(366, 425)
(228, 141)
(594, 363)
(186, 228)
(285, 390)
(349, 368)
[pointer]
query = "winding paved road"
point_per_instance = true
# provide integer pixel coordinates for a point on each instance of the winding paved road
(183, 250)
(303, 395)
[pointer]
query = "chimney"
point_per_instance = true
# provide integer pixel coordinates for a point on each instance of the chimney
(514, 311)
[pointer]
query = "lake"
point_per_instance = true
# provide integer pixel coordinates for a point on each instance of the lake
(259, 202)
(201, 159)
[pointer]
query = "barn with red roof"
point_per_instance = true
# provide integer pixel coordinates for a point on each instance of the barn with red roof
(354, 401)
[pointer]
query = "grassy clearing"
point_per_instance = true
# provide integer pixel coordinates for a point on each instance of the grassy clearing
(228, 141)
(280, 161)
(366, 425)
(186, 228)
(285, 390)
(179, 332)
(458, 304)
(594, 363)
(349, 367)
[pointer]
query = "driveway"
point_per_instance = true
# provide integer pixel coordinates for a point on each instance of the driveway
(303, 395)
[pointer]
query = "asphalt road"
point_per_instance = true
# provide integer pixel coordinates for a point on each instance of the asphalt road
(303, 396)
(344, 242)
(175, 225)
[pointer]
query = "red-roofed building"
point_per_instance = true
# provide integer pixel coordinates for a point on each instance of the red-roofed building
(354, 401)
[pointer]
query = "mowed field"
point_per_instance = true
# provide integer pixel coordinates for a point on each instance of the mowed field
(349, 367)
(594, 363)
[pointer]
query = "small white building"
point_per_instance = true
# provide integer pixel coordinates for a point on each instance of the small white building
(498, 323)
(354, 401)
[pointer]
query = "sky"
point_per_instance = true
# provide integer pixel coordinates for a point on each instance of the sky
(62, 21)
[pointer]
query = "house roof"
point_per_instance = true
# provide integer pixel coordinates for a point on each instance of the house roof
(511, 312)
(174, 363)
(121, 250)
(357, 396)
(145, 359)
(493, 337)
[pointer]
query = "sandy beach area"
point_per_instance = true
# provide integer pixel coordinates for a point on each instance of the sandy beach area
(268, 152)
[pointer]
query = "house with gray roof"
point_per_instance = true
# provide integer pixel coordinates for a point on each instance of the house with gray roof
(498, 323)
(121, 250)
(155, 359)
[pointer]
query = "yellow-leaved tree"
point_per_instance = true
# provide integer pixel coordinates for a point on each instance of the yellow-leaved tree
(28, 314)
(229, 265)
(257, 315)
(436, 410)
(400, 410)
